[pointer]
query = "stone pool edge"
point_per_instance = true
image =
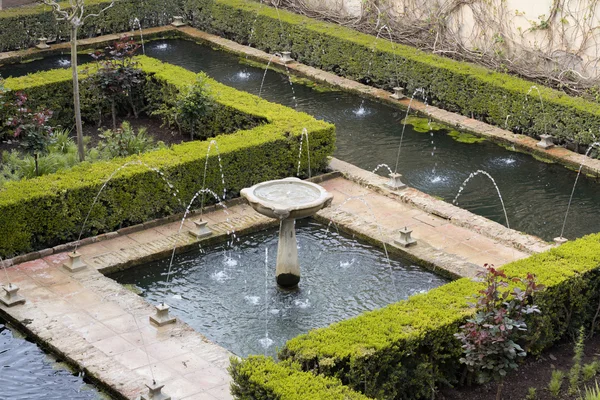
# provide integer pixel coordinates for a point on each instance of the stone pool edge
(499, 136)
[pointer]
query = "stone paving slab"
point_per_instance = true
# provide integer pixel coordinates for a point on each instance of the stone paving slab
(98, 325)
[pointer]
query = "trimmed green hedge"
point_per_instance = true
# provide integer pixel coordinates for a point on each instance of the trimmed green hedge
(406, 350)
(456, 86)
(49, 210)
(259, 378)
(20, 27)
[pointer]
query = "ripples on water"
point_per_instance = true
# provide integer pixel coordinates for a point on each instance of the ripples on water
(27, 373)
(226, 301)
(536, 194)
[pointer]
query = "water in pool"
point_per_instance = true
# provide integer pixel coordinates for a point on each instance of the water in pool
(224, 294)
(535, 193)
(29, 374)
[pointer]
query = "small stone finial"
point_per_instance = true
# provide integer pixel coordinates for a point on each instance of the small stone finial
(405, 240)
(398, 93)
(42, 43)
(178, 21)
(74, 263)
(286, 57)
(155, 392)
(162, 316)
(545, 142)
(560, 240)
(11, 298)
(395, 182)
(200, 230)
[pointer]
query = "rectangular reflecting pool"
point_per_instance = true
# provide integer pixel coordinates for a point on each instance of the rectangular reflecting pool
(228, 292)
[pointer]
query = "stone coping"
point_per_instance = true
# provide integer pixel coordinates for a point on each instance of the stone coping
(512, 141)
(102, 328)
(458, 216)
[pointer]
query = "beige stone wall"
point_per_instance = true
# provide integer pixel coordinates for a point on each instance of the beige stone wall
(552, 36)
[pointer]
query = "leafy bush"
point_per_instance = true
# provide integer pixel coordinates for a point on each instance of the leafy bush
(192, 106)
(590, 370)
(259, 378)
(118, 78)
(49, 210)
(124, 142)
(491, 337)
(407, 349)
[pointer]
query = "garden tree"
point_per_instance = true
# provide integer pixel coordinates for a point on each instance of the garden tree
(491, 337)
(118, 74)
(76, 17)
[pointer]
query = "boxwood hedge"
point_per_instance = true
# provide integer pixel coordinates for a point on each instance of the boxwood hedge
(407, 350)
(49, 210)
(457, 86)
(259, 378)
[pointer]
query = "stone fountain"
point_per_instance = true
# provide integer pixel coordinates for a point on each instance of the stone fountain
(287, 200)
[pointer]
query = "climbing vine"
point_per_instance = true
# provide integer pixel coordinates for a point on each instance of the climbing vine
(558, 48)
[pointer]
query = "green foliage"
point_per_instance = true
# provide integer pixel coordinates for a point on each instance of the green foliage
(590, 370)
(492, 338)
(49, 210)
(124, 142)
(191, 107)
(575, 371)
(259, 378)
(591, 393)
(556, 382)
(456, 86)
(531, 394)
(406, 349)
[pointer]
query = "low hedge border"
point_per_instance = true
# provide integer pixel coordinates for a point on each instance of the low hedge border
(260, 378)
(407, 350)
(49, 210)
(456, 86)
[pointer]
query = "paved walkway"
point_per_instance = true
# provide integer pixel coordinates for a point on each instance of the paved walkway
(94, 322)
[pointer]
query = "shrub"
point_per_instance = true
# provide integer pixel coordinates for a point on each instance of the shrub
(124, 142)
(590, 370)
(49, 210)
(259, 378)
(491, 337)
(407, 349)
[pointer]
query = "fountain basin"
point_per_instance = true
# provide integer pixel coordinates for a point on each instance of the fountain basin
(287, 200)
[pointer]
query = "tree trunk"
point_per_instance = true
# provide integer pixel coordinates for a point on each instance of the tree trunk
(113, 110)
(76, 105)
(499, 390)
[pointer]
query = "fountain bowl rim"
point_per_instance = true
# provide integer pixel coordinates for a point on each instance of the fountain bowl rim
(323, 198)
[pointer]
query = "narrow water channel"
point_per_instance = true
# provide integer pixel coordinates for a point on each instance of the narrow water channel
(29, 374)
(535, 193)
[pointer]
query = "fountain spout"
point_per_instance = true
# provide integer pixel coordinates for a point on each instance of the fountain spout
(287, 200)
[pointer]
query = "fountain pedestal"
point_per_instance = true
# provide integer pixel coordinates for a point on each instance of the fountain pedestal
(287, 271)
(287, 200)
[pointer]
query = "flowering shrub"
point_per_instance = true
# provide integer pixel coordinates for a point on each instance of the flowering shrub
(31, 127)
(491, 339)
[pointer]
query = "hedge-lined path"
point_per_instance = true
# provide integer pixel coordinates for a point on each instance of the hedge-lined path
(98, 325)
